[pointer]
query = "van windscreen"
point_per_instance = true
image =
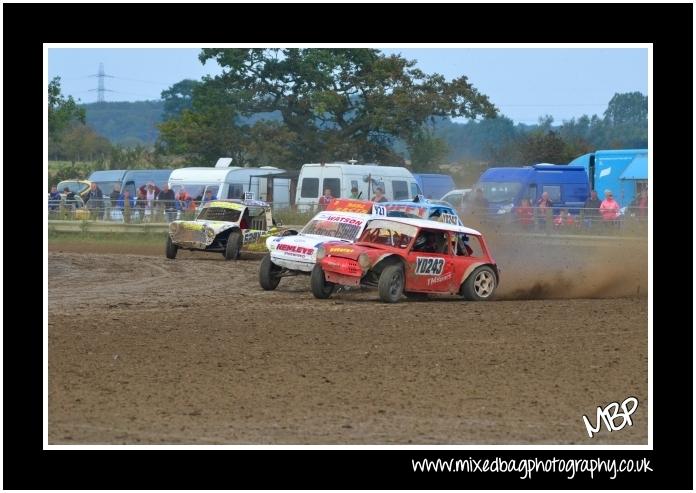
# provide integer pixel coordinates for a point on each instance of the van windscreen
(497, 191)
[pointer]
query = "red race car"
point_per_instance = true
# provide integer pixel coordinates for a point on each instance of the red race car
(409, 257)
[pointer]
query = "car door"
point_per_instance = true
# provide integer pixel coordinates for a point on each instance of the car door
(430, 271)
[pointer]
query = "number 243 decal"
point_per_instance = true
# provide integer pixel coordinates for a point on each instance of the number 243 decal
(429, 266)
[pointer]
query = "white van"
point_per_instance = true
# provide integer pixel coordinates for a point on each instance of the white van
(232, 182)
(340, 178)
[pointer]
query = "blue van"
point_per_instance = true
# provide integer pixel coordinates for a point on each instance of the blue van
(623, 171)
(107, 179)
(434, 186)
(568, 186)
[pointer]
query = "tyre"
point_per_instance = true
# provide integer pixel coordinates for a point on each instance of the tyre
(171, 248)
(268, 274)
(480, 285)
(391, 284)
(234, 246)
(320, 288)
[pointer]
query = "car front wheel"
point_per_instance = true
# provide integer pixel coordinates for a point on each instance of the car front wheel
(171, 248)
(234, 246)
(320, 288)
(480, 285)
(268, 274)
(391, 284)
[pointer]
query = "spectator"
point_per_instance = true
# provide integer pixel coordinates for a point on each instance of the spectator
(564, 218)
(144, 188)
(54, 199)
(609, 208)
(544, 209)
(166, 195)
(379, 195)
(70, 200)
(115, 194)
(165, 199)
(141, 205)
(325, 199)
(113, 197)
(95, 201)
(639, 206)
(354, 194)
(125, 204)
(591, 209)
(208, 196)
(183, 200)
(151, 192)
(525, 214)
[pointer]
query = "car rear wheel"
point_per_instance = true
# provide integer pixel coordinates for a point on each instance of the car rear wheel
(234, 246)
(480, 285)
(268, 274)
(171, 248)
(391, 284)
(320, 288)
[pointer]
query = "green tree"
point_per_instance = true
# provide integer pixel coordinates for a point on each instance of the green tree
(178, 97)
(627, 108)
(336, 103)
(61, 110)
(543, 147)
(426, 151)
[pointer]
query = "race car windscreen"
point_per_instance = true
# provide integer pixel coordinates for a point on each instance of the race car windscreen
(220, 214)
(389, 233)
(342, 231)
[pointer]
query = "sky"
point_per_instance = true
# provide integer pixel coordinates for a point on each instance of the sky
(524, 83)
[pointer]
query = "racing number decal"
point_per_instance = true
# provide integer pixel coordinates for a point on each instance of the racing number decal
(429, 266)
(379, 210)
(449, 219)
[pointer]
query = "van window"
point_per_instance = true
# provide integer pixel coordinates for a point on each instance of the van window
(236, 191)
(333, 184)
(532, 192)
(310, 188)
(554, 192)
(400, 189)
(415, 190)
(213, 189)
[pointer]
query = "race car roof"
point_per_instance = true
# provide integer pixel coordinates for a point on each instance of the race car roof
(425, 223)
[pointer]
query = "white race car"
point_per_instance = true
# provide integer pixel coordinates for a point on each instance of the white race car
(290, 255)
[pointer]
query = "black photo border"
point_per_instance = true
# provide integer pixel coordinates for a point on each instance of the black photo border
(28, 26)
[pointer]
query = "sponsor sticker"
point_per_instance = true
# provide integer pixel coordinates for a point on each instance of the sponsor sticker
(295, 249)
(193, 226)
(340, 250)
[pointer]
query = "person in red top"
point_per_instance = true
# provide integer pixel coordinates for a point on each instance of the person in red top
(525, 214)
(325, 199)
(609, 208)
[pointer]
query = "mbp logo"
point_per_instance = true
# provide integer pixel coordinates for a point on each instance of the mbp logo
(609, 414)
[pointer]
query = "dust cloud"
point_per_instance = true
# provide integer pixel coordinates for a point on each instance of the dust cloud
(537, 268)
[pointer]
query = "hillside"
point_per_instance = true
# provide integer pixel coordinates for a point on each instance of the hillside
(126, 123)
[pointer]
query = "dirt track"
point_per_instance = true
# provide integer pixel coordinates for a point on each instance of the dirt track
(147, 350)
